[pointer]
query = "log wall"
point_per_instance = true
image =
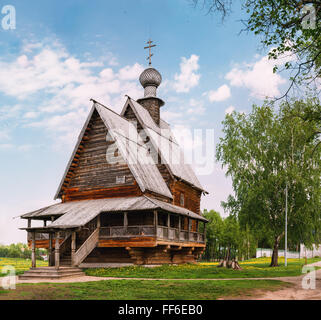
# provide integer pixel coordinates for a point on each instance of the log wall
(192, 197)
(90, 175)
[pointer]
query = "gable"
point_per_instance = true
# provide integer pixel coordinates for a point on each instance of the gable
(106, 136)
(135, 152)
(90, 170)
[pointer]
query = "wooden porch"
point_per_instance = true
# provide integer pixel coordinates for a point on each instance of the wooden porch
(133, 231)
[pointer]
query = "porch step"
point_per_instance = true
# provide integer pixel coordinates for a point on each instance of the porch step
(51, 273)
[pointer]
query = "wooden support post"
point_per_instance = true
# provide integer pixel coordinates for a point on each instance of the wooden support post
(73, 248)
(50, 250)
(189, 229)
(204, 231)
(33, 252)
(169, 220)
(29, 223)
(52, 218)
(155, 221)
(98, 222)
(57, 251)
(125, 220)
(179, 227)
(45, 223)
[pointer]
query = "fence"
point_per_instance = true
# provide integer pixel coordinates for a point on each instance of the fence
(260, 252)
(304, 252)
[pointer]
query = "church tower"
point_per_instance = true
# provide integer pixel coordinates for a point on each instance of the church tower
(150, 79)
(130, 211)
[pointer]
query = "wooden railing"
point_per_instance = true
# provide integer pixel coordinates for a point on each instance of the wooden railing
(162, 232)
(45, 236)
(115, 232)
(39, 236)
(87, 247)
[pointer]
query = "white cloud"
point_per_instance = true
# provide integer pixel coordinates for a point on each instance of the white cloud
(60, 87)
(196, 107)
(130, 72)
(6, 146)
(170, 115)
(31, 115)
(258, 77)
(229, 110)
(221, 94)
(188, 78)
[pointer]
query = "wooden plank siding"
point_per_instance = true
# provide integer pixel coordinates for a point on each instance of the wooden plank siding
(192, 196)
(90, 175)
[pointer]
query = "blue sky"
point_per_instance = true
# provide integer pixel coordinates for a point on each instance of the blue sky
(62, 53)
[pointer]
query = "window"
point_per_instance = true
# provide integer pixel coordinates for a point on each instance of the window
(120, 179)
(182, 200)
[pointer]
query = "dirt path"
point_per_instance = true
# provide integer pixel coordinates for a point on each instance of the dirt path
(295, 292)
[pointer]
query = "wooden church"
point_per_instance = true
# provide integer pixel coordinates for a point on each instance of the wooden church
(127, 195)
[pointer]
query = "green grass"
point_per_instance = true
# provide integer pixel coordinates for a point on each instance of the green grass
(141, 290)
(254, 268)
(21, 265)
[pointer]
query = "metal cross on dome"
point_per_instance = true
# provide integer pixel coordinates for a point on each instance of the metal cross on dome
(150, 46)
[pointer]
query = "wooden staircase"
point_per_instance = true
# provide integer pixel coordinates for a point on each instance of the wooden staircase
(65, 269)
(51, 273)
(65, 259)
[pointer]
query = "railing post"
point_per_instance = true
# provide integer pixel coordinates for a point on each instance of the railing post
(33, 252)
(57, 251)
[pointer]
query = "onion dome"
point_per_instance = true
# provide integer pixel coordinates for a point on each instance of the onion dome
(150, 77)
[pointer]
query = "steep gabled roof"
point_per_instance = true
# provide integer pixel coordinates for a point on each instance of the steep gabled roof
(162, 136)
(132, 150)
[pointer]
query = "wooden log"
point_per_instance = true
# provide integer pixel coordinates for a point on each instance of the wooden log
(50, 250)
(33, 252)
(73, 248)
(57, 251)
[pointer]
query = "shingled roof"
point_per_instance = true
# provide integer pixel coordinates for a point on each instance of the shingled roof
(79, 213)
(161, 136)
(132, 150)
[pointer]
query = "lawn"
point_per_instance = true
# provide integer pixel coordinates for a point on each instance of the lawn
(254, 268)
(21, 265)
(141, 290)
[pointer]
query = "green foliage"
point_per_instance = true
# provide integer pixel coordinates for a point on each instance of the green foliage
(19, 264)
(226, 236)
(254, 268)
(19, 250)
(285, 28)
(263, 151)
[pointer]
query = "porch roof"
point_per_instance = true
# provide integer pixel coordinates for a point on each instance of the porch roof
(78, 213)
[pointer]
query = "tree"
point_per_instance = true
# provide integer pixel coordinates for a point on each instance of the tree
(214, 230)
(289, 29)
(263, 152)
